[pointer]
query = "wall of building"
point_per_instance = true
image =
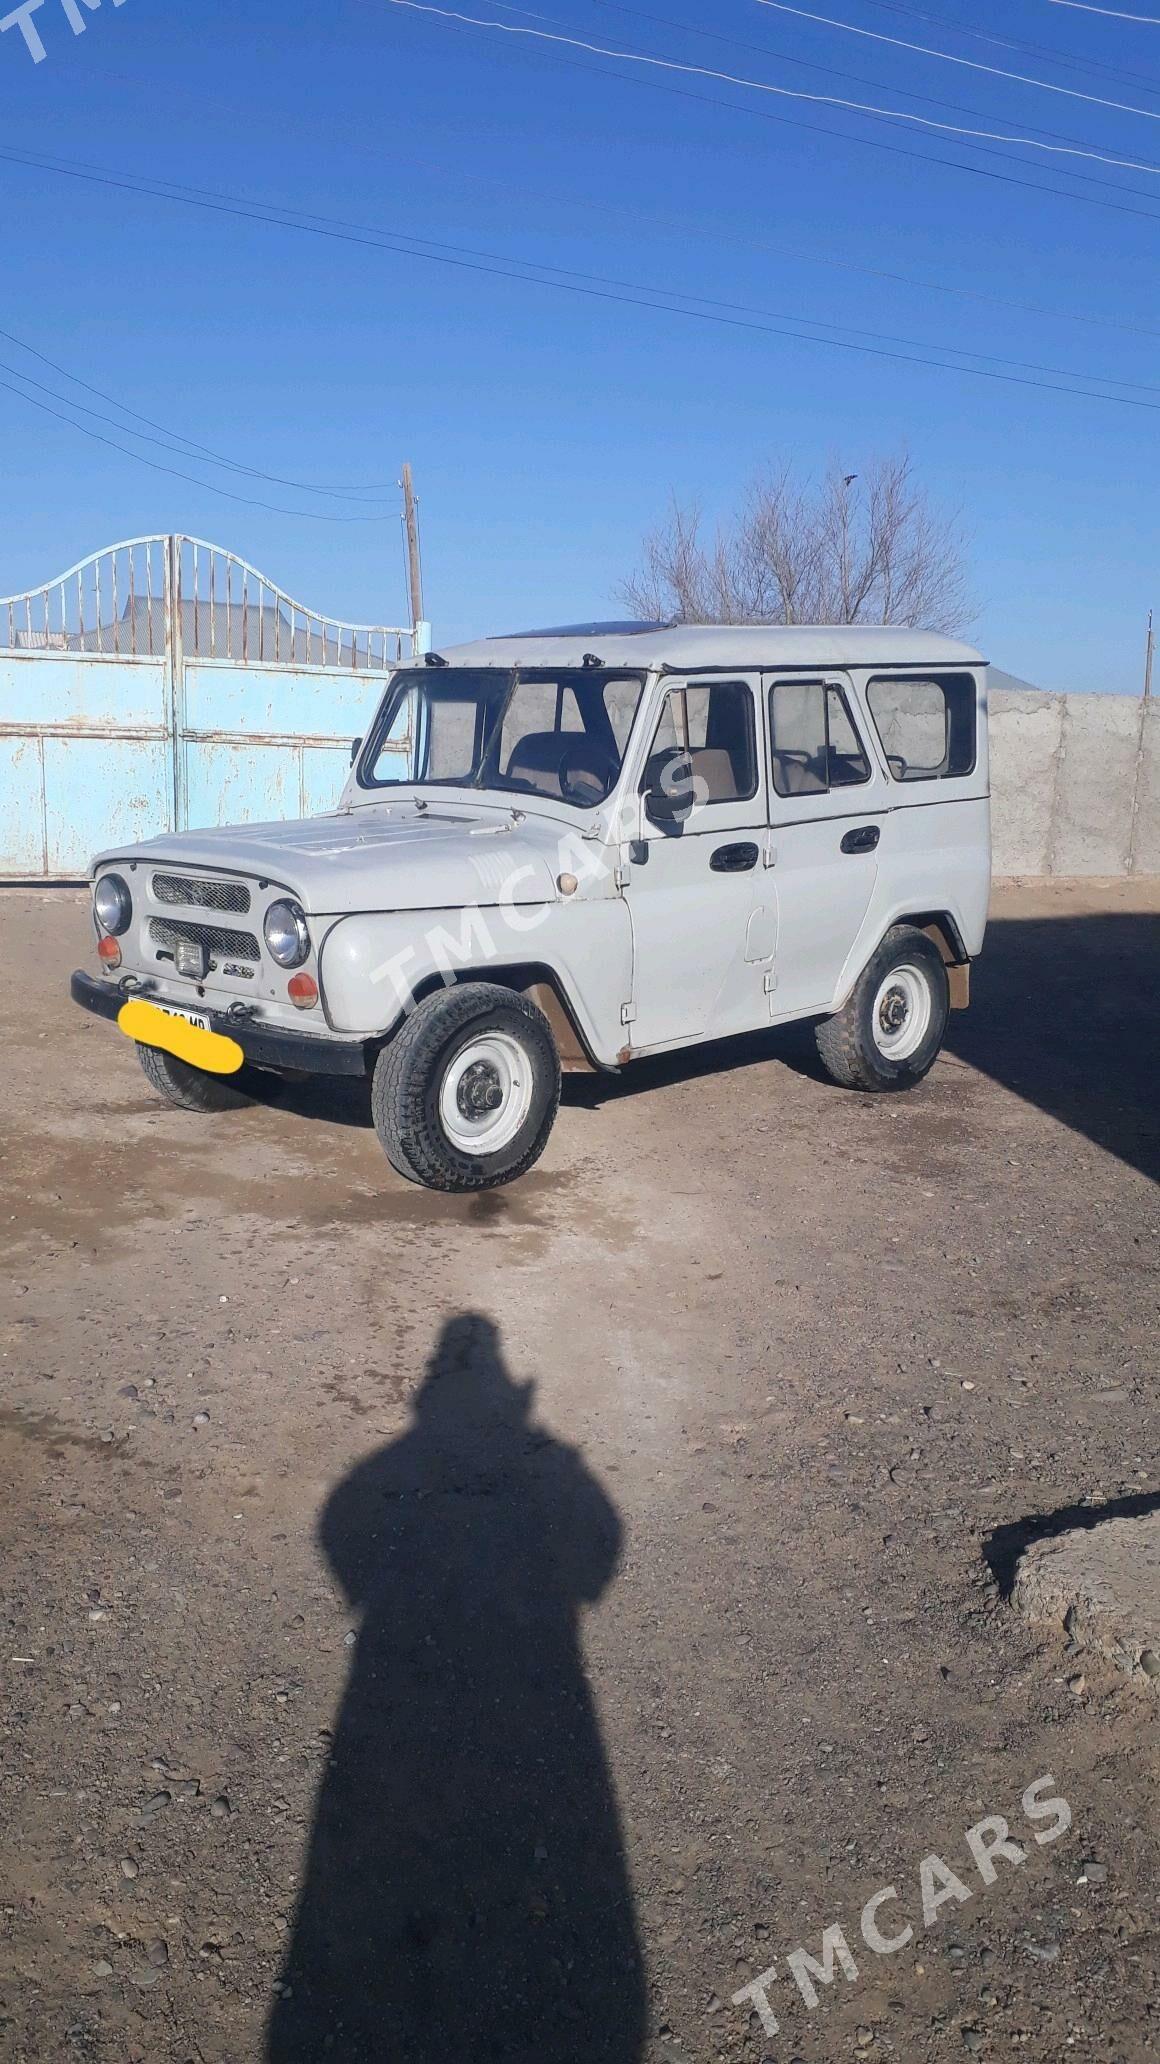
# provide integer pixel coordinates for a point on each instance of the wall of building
(1075, 783)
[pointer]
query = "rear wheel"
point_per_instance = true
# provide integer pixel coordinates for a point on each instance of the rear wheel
(192, 1089)
(890, 1029)
(465, 1095)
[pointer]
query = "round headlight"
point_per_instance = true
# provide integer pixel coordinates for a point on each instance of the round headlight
(286, 934)
(112, 905)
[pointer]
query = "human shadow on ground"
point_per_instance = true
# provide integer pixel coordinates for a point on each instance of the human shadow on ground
(466, 1894)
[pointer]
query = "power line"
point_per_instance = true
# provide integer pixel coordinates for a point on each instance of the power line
(668, 64)
(1086, 66)
(639, 295)
(945, 57)
(1153, 20)
(783, 57)
(171, 190)
(875, 143)
(937, 287)
(529, 272)
(142, 436)
(172, 440)
(813, 257)
(314, 515)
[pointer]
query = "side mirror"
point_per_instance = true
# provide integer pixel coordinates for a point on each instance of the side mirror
(354, 746)
(670, 799)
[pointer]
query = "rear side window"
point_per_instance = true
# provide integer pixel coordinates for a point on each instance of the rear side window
(927, 726)
(814, 746)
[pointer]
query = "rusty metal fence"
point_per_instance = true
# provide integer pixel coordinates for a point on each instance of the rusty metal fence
(165, 682)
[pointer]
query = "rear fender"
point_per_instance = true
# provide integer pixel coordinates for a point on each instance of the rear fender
(942, 927)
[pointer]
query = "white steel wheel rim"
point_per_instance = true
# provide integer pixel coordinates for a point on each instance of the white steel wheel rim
(901, 1012)
(486, 1094)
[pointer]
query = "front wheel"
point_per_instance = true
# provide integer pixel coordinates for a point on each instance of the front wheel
(193, 1089)
(888, 1033)
(465, 1095)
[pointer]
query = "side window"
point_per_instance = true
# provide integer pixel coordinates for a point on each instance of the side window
(708, 730)
(813, 744)
(927, 726)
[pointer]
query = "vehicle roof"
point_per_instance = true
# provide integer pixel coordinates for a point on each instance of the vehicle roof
(687, 646)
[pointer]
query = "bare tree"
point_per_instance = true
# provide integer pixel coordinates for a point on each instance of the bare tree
(851, 548)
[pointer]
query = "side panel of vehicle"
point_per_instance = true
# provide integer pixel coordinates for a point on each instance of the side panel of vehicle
(934, 856)
(372, 966)
(921, 877)
(824, 892)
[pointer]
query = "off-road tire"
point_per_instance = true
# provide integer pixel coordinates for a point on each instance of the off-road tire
(410, 1073)
(192, 1089)
(849, 1050)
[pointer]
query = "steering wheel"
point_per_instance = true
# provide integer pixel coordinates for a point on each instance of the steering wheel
(579, 783)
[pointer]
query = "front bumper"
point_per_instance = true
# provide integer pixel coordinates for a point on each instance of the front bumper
(265, 1045)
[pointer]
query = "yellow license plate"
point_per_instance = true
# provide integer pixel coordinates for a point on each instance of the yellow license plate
(177, 1035)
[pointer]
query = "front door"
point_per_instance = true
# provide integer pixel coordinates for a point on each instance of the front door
(829, 815)
(695, 876)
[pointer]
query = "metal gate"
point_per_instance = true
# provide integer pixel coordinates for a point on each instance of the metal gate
(164, 683)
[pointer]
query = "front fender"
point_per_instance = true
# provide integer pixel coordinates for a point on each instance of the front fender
(372, 966)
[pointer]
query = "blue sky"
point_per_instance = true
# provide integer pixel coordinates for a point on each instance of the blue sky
(548, 429)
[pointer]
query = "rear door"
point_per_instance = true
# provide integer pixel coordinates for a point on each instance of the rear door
(829, 816)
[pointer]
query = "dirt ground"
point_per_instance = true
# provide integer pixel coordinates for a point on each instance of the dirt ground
(502, 1629)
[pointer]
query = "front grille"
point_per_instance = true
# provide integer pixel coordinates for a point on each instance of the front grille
(211, 895)
(164, 931)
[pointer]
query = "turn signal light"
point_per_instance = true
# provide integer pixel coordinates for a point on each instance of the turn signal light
(302, 991)
(108, 952)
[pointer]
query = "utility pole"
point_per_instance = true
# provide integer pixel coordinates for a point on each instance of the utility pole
(414, 562)
(1149, 649)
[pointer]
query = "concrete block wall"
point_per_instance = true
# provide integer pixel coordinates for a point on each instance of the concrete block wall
(1146, 848)
(1075, 783)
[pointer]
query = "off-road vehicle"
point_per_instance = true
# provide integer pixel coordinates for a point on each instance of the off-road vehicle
(567, 850)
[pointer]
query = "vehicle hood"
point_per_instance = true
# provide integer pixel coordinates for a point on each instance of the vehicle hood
(380, 857)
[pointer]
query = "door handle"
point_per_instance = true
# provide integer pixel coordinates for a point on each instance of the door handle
(734, 859)
(863, 840)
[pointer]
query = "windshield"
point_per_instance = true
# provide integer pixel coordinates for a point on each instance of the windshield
(556, 732)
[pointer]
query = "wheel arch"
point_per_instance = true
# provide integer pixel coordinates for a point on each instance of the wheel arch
(942, 929)
(541, 985)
